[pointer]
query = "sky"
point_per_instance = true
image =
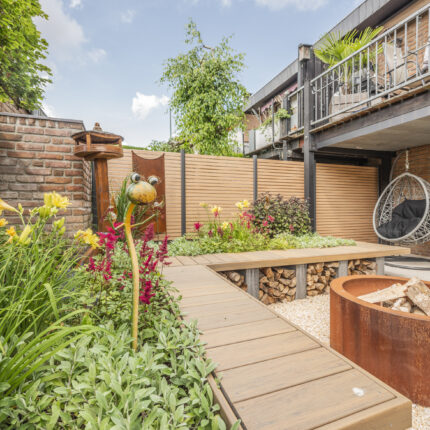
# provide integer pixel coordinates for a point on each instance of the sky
(107, 56)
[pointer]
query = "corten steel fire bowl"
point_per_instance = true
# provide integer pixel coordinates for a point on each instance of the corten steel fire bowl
(392, 345)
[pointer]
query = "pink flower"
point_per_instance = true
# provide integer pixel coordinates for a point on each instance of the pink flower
(270, 218)
(210, 233)
(265, 223)
(149, 233)
(291, 227)
(197, 226)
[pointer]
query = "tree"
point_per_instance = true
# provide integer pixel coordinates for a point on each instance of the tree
(22, 76)
(208, 98)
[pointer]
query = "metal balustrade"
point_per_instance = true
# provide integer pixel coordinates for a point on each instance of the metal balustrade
(395, 62)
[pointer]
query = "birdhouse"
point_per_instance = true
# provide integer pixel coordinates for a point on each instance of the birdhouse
(99, 146)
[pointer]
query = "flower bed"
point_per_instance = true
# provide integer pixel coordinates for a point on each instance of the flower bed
(272, 223)
(66, 356)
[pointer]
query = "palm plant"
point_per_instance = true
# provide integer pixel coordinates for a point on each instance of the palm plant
(335, 48)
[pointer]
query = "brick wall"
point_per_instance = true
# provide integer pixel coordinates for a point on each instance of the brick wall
(36, 156)
(419, 164)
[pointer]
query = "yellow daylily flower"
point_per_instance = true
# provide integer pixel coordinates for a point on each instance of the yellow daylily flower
(239, 205)
(3, 222)
(87, 237)
(216, 210)
(5, 207)
(245, 203)
(225, 225)
(12, 233)
(55, 200)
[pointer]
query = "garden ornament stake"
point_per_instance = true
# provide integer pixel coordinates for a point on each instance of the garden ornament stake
(139, 193)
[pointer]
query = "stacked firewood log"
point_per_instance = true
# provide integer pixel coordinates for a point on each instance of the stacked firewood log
(279, 283)
(361, 267)
(411, 297)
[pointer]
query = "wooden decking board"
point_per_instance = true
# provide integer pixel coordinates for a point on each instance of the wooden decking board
(313, 404)
(188, 302)
(243, 332)
(239, 305)
(186, 261)
(245, 382)
(262, 349)
(274, 375)
(207, 322)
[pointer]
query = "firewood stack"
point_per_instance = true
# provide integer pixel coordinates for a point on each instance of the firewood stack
(319, 276)
(361, 267)
(236, 278)
(411, 297)
(279, 283)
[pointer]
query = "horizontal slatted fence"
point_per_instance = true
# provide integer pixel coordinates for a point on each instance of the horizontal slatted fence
(220, 181)
(346, 195)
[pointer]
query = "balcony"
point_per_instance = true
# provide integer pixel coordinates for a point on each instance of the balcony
(392, 67)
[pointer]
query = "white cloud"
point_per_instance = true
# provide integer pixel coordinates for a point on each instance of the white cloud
(127, 16)
(142, 104)
(64, 34)
(299, 4)
(97, 55)
(75, 4)
(226, 3)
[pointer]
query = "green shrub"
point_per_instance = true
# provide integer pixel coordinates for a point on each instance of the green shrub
(37, 288)
(276, 215)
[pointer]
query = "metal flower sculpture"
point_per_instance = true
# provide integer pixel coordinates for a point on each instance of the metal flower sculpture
(139, 192)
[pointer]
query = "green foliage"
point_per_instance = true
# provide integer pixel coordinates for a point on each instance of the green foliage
(199, 246)
(310, 240)
(22, 76)
(279, 114)
(37, 316)
(207, 99)
(97, 381)
(290, 215)
(335, 48)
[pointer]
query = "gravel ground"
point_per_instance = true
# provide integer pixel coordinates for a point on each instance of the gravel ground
(313, 315)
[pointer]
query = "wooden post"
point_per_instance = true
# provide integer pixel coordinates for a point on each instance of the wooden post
(380, 262)
(253, 282)
(342, 270)
(301, 281)
(102, 189)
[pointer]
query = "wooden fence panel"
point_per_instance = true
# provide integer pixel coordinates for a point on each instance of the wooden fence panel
(221, 181)
(281, 177)
(346, 195)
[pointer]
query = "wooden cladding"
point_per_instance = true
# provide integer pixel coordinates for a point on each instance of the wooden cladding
(346, 195)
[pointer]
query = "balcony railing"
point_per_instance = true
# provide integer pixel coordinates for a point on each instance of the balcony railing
(392, 64)
(294, 104)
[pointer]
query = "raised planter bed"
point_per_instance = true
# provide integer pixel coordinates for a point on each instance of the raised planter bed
(392, 345)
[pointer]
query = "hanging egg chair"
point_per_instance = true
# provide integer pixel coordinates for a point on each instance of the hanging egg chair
(402, 212)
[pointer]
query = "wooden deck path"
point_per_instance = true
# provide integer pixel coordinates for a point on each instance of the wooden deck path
(274, 375)
(250, 260)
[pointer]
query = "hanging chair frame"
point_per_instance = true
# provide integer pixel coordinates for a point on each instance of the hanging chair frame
(421, 233)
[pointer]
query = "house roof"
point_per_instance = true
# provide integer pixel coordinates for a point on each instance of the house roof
(369, 13)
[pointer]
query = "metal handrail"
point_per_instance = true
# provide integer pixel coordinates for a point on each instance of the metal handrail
(365, 66)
